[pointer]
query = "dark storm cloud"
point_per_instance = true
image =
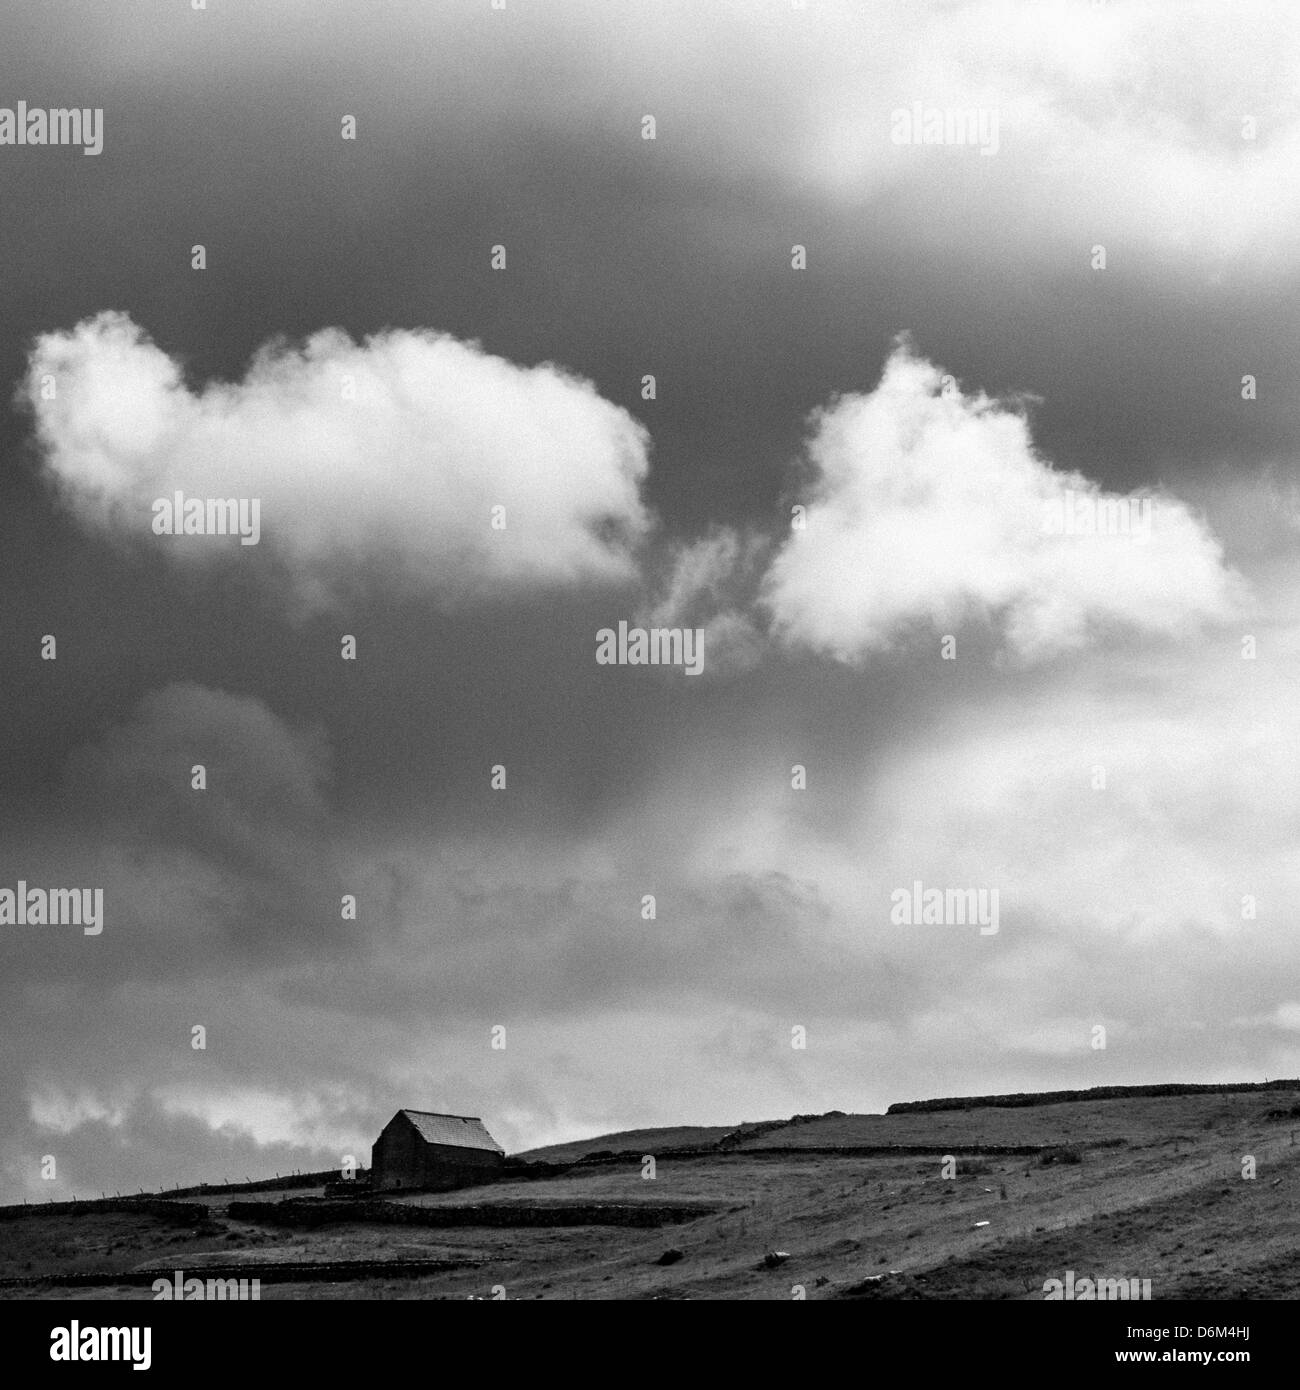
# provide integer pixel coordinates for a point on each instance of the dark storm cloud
(523, 127)
(479, 128)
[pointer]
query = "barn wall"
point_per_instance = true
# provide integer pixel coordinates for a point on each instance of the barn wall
(397, 1161)
(443, 1167)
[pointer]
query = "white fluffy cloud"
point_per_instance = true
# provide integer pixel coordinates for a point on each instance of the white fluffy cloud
(385, 457)
(931, 508)
(1099, 135)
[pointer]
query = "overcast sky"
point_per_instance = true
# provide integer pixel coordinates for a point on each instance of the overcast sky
(1098, 742)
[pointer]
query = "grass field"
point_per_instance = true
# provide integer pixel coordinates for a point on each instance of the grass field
(1166, 1200)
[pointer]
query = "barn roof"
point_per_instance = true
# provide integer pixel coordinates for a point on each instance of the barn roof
(457, 1131)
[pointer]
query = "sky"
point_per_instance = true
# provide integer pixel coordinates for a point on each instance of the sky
(971, 461)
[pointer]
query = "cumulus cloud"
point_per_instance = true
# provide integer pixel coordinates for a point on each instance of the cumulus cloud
(1108, 118)
(930, 507)
(384, 458)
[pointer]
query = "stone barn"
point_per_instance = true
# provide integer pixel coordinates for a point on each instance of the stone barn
(421, 1149)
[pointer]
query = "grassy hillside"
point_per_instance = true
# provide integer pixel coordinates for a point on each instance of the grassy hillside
(627, 1140)
(1149, 1187)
